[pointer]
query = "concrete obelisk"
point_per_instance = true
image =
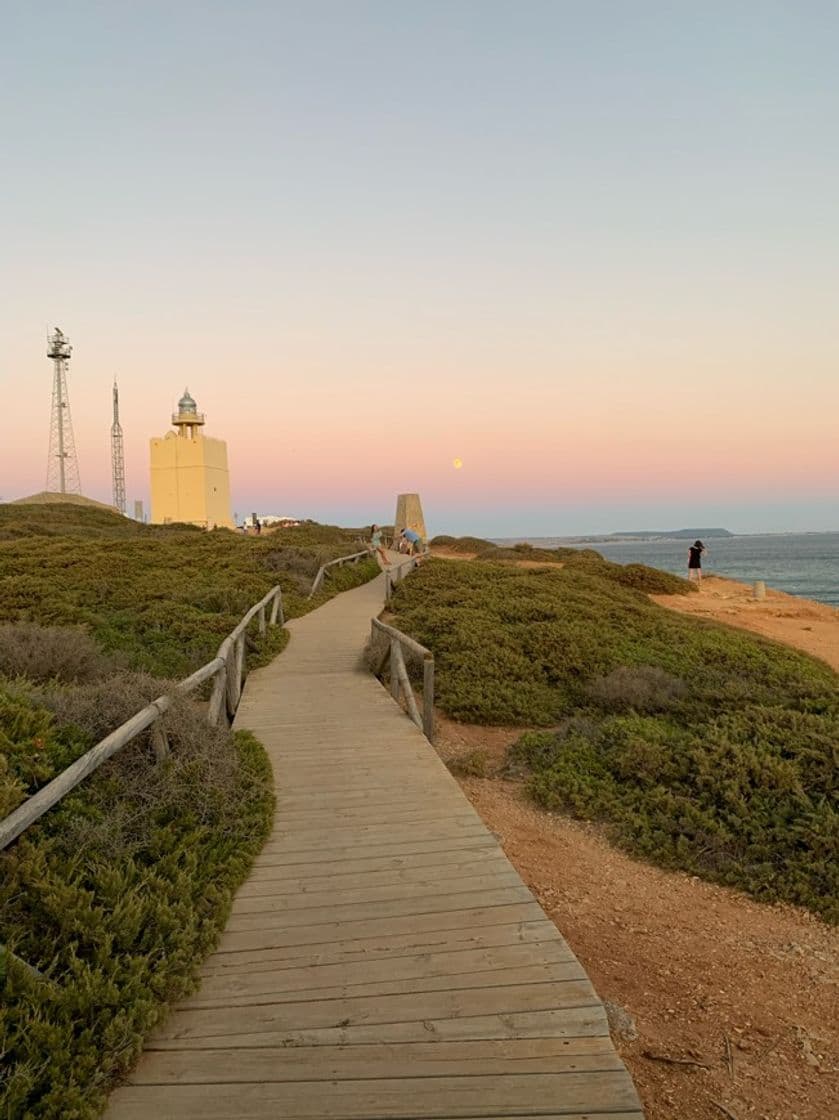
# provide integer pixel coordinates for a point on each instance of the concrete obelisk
(409, 515)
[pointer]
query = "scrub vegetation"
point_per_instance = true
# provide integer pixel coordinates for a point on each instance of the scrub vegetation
(110, 901)
(699, 747)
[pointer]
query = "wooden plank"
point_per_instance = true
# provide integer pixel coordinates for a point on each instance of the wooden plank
(278, 855)
(273, 880)
(268, 900)
(233, 941)
(382, 946)
(574, 1022)
(285, 977)
(388, 1099)
(286, 919)
(276, 1018)
(261, 991)
(417, 1059)
(318, 839)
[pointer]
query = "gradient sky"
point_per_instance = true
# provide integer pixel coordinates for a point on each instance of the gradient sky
(588, 247)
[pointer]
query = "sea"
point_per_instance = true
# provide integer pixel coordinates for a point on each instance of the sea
(805, 564)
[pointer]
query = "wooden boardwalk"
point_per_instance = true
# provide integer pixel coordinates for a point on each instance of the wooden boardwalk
(384, 959)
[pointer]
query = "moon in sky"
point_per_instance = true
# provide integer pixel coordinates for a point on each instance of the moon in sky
(457, 464)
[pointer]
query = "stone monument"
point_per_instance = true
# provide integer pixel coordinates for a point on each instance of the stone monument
(409, 515)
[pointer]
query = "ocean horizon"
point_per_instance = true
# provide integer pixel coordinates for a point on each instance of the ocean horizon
(804, 564)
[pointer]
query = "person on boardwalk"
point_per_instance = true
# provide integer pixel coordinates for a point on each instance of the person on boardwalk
(414, 541)
(695, 561)
(376, 543)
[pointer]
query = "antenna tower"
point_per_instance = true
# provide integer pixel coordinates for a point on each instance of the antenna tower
(62, 465)
(117, 457)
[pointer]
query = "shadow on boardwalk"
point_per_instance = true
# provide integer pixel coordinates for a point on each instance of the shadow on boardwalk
(384, 959)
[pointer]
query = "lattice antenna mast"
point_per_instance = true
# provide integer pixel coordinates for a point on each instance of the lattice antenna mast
(62, 465)
(117, 457)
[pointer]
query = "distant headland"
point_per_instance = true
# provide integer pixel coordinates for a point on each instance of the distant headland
(672, 534)
(634, 535)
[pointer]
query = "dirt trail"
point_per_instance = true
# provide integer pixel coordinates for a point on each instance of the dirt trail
(733, 1001)
(811, 627)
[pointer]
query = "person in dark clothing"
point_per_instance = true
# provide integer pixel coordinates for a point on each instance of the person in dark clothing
(695, 561)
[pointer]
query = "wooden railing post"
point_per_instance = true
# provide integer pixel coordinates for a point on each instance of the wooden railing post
(159, 741)
(428, 696)
(234, 677)
(277, 608)
(395, 653)
(261, 617)
(216, 706)
(398, 670)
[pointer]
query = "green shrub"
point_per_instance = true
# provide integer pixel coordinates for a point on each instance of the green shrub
(461, 544)
(748, 799)
(471, 765)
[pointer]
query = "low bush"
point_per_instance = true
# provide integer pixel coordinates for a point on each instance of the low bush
(637, 688)
(43, 653)
(461, 544)
(471, 765)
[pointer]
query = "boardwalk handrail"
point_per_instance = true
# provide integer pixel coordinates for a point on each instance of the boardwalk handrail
(227, 668)
(397, 573)
(338, 563)
(397, 645)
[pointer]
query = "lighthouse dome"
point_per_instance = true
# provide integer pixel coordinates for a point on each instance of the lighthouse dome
(186, 403)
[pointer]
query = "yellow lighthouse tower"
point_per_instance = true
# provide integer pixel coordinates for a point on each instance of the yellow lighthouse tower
(189, 477)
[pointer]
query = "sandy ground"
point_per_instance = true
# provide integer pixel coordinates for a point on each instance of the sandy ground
(812, 627)
(734, 1003)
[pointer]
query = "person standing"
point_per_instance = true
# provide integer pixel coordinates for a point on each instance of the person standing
(695, 561)
(376, 543)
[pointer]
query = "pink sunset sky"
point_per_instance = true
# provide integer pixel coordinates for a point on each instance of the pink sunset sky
(599, 269)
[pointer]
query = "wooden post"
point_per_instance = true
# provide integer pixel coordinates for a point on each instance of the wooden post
(395, 653)
(760, 589)
(234, 676)
(261, 617)
(240, 665)
(216, 706)
(388, 587)
(159, 741)
(277, 608)
(428, 696)
(397, 663)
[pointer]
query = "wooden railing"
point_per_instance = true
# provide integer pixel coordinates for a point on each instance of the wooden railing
(398, 646)
(226, 668)
(339, 563)
(397, 573)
